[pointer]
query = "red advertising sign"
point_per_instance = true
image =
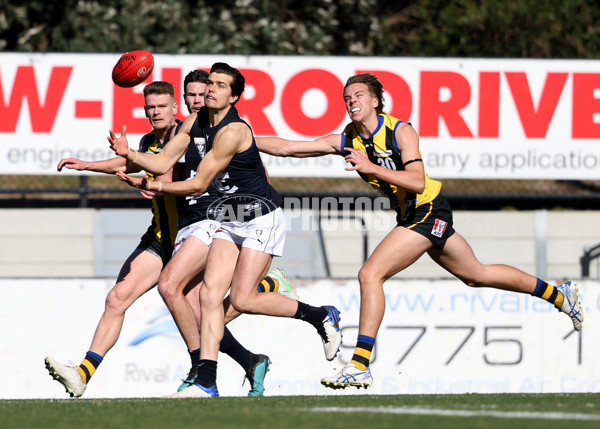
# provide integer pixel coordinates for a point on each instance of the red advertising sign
(503, 119)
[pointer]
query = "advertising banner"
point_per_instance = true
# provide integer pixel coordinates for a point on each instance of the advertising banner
(477, 118)
(436, 337)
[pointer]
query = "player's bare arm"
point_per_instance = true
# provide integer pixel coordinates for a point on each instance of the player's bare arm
(168, 177)
(145, 184)
(108, 166)
(327, 145)
(161, 162)
(232, 139)
(412, 178)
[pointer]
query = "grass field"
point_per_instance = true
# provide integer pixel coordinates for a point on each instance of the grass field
(489, 411)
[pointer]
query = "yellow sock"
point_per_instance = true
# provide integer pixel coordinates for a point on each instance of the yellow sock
(88, 366)
(362, 352)
(549, 293)
(268, 284)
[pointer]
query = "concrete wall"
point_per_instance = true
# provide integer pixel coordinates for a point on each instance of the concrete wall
(545, 243)
(94, 243)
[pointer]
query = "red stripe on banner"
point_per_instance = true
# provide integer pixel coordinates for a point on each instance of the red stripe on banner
(88, 109)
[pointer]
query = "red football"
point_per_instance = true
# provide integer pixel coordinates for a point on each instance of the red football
(132, 68)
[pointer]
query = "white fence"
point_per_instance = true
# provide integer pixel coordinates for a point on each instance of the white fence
(436, 337)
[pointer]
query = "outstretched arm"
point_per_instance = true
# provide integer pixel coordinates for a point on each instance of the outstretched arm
(230, 140)
(107, 166)
(277, 146)
(158, 163)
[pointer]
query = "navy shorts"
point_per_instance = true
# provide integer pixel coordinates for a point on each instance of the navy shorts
(432, 220)
(150, 243)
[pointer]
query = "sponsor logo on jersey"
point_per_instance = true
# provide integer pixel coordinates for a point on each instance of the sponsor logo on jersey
(439, 227)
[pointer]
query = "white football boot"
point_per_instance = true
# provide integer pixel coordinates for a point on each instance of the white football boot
(572, 305)
(329, 331)
(66, 375)
(284, 286)
(196, 391)
(349, 376)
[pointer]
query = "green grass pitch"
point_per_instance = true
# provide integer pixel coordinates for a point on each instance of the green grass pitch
(505, 411)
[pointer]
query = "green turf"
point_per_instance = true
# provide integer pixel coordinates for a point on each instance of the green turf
(506, 411)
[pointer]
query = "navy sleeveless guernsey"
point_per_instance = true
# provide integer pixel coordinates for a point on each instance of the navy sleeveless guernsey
(244, 190)
(194, 209)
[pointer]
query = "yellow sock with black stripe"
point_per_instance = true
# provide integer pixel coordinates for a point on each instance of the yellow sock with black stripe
(269, 284)
(89, 365)
(549, 293)
(362, 352)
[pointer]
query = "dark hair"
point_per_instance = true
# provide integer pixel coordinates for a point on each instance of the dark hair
(200, 76)
(238, 82)
(159, 87)
(375, 87)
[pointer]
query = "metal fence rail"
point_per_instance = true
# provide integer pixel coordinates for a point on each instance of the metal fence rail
(588, 256)
(102, 191)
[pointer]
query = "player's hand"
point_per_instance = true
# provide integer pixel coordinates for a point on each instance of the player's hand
(119, 145)
(148, 194)
(359, 162)
(70, 163)
(136, 182)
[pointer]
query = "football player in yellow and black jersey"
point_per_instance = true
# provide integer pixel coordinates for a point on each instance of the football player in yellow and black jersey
(142, 268)
(384, 151)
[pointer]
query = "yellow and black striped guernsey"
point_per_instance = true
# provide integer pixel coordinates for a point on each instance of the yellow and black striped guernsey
(382, 149)
(164, 209)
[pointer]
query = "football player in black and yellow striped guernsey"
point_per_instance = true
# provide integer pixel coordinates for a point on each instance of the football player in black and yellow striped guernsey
(141, 270)
(384, 151)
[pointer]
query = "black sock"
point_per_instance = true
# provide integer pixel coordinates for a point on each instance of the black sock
(232, 347)
(195, 357)
(207, 373)
(310, 314)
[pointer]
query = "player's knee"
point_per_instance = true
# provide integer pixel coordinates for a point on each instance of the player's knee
(116, 302)
(166, 291)
(209, 298)
(363, 275)
(367, 275)
(240, 304)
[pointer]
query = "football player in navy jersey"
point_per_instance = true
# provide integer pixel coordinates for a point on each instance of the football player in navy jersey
(141, 271)
(252, 226)
(384, 151)
(186, 267)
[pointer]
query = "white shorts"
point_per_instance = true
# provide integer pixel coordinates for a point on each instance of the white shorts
(264, 233)
(204, 230)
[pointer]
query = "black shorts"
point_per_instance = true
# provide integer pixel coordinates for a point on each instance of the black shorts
(432, 220)
(150, 243)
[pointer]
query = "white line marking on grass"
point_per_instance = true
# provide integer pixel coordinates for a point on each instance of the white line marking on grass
(461, 413)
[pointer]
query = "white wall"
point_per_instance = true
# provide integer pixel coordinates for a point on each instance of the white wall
(46, 243)
(436, 337)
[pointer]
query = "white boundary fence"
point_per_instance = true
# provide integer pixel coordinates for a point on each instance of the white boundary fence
(436, 337)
